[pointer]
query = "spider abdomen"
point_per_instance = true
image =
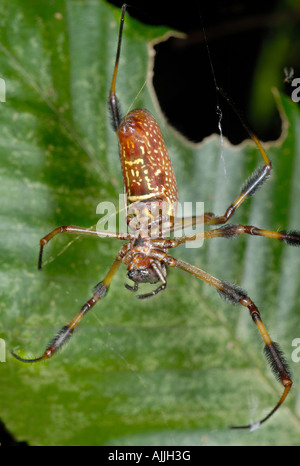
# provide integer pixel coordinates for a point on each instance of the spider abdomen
(146, 165)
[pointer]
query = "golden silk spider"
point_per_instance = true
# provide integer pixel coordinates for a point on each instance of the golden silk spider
(151, 191)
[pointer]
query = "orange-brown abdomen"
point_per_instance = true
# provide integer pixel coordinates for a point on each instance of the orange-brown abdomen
(146, 165)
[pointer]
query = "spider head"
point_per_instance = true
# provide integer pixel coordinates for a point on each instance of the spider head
(140, 270)
(144, 270)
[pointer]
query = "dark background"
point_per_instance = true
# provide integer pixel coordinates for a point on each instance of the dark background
(236, 31)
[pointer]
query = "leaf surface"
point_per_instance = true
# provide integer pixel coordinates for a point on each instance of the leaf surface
(173, 370)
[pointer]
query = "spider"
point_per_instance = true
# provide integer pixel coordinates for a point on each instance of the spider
(151, 190)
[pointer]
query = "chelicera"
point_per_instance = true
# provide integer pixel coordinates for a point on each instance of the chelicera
(151, 191)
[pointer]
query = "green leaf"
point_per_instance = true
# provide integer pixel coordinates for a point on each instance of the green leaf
(177, 368)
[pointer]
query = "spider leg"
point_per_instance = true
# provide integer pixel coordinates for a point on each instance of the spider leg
(66, 332)
(249, 188)
(81, 231)
(181, 223)
(235, 295)
(255, 181)
(157, 267)
(133, 288)
(290, 237)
